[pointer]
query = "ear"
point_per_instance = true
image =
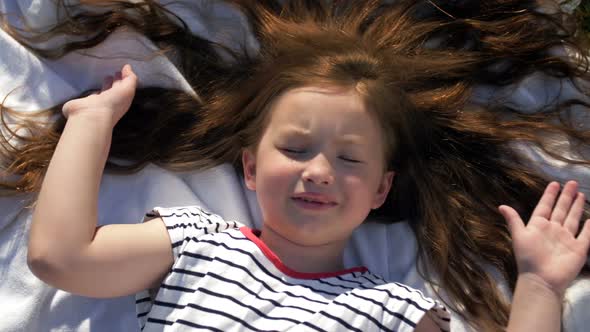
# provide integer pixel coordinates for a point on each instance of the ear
(383, 189)
(249, 166)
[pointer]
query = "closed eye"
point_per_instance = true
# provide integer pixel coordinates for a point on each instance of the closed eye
(350, 160)
(291, 150)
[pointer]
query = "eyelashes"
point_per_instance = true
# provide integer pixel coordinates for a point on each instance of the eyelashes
(300, 152)
(294, 151)
(350, 160)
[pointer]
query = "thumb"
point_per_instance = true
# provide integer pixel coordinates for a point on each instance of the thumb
(72, 105)
(515, 223)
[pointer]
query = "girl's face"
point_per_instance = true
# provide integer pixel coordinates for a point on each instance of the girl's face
(319, 166)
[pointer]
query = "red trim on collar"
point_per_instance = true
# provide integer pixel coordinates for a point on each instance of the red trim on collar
(253, 235)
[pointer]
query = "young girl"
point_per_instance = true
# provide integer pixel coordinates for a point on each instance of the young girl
(320, 164)
(420, 61)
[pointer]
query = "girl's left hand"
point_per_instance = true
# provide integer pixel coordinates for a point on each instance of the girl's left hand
(547, 247)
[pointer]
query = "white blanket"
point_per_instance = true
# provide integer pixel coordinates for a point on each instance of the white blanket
(27, 304)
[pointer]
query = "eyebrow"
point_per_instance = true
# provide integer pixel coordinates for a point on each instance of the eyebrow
(351, 139)
(295, 131)
(345, 139)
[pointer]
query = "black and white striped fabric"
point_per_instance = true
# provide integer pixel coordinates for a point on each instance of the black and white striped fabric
(225, 279)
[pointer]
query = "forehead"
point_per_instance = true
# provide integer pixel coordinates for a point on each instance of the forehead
(340, 108)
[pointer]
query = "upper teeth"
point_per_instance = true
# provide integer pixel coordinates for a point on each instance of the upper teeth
(309, 200)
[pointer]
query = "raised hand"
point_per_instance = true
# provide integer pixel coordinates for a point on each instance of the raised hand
(547, 248)
(111, 103)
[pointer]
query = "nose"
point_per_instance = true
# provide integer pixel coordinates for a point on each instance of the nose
(318, 171)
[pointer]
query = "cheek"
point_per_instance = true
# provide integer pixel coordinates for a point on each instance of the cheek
(275, 172)
(360, 186)
(275, 183)
(355, 184)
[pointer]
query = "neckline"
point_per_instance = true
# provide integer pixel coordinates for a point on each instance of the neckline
(253, 235)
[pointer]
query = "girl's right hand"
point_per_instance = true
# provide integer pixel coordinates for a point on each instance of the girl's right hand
(111, 103)
(547, 248)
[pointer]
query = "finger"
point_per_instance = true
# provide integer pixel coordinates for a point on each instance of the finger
(515, 223)
(107, 83)
(584, 236)
(545, 205)
(129, 76)
(572, 221)
(127, 71)
(564, 203)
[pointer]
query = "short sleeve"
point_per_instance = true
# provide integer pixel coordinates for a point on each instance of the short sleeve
(184, 224)
(407, 307)
(188, 223)
(425, 307)
(441, 317)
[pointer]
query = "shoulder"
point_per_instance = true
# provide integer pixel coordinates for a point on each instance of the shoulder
(427, 324)
(412, 306)
(186, 224)
(192, 217)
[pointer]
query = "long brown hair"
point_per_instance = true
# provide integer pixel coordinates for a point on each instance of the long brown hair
(417, 63)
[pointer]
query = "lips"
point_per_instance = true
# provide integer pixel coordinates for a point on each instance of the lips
(314, 200)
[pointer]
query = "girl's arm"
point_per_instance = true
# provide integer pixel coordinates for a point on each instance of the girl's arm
(549, 256)
(66, 249)
(535, 307)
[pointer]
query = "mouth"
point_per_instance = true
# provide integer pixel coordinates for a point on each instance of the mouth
(311, 202)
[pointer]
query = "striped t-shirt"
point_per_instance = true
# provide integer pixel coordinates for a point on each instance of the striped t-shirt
(225, 279)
